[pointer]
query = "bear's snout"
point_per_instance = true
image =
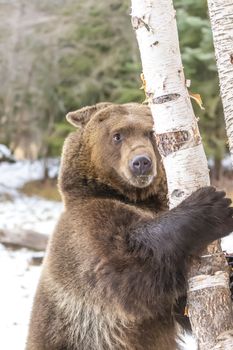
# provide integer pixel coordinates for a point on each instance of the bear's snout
(140, 165)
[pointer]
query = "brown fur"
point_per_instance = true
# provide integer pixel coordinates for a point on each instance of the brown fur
(110, 280)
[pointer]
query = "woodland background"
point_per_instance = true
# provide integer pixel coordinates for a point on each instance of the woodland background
(60, 55)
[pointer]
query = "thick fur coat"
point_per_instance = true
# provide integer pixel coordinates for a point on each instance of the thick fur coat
(118, 259)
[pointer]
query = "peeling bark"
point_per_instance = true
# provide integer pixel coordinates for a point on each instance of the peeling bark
(165, 98)
(210, 305)
(174, 141)
(183, 156)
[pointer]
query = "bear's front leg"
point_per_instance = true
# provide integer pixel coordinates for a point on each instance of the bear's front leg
(200, 219)
(167, 242)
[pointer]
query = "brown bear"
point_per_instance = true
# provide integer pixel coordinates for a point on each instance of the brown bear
(118, 259)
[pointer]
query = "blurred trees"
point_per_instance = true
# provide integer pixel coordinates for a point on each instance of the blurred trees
(200, 66)
(60, 55)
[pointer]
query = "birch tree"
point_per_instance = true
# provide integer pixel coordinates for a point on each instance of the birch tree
(221, 17)
(180, 146)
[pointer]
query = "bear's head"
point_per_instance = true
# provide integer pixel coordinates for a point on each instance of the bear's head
(114, 147)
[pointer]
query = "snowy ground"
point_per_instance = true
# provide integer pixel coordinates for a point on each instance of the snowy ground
(18, 277)
(18, 283)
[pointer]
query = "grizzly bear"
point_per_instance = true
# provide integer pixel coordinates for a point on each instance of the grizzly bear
(118, 259)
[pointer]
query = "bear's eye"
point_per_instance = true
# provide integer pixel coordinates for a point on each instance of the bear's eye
(117, 137)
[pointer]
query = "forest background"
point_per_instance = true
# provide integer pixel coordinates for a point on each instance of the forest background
(59, 55)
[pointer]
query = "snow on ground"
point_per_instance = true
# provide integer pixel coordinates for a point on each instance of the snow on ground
(4, 151)
(29, 213)
(15, 175)
(18, 210)
(18, 284)
(227, 244)
(18, 277)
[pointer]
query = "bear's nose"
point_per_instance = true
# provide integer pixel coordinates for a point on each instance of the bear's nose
(140, 165)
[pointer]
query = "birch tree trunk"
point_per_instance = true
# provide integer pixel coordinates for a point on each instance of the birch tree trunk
(221, 16)
(179, 143)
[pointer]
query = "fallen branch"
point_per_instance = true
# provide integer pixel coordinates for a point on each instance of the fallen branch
(24, 238)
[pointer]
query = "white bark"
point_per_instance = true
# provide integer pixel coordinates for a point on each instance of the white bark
(179, 142)
(168, 97)
(221, 16)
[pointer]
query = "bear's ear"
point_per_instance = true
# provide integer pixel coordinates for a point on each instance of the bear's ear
(82, 116)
